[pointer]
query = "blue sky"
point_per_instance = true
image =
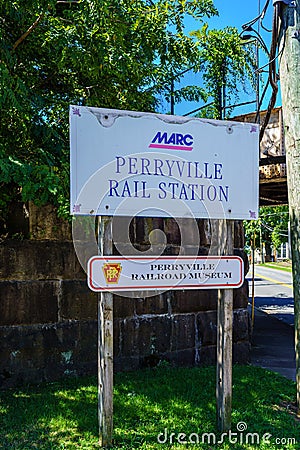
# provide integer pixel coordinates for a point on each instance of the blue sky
(232, 13)
(235, 12)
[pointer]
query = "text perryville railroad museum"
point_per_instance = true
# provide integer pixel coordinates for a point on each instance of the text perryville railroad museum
(115, 273)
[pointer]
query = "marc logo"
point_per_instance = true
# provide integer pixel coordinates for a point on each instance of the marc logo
(174, 141)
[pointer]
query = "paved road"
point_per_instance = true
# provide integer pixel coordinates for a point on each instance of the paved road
(272, 339)
(273, 292)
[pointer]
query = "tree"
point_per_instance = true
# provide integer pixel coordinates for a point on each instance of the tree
(226, 63)
(109, 53)
(271, 229)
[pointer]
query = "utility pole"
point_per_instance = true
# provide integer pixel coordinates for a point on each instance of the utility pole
(289, 52)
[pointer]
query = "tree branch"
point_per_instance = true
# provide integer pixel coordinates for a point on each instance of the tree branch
(30, 29)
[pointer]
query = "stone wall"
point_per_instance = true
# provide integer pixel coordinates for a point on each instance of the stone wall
(48, 316)
(48, 323)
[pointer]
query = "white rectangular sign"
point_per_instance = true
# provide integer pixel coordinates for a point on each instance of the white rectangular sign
(142, 164)
(120, 273)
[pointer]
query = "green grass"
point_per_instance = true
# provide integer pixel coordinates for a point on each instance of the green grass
(286, 267)
(63, 415)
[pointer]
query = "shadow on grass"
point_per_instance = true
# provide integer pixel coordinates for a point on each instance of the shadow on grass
(50, 416)
(146, 404)
(183, 401)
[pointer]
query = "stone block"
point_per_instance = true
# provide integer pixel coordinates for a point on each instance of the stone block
(157, 304)
(158, 223)
(144, 226)
(205, 232)
(45, 224)
(145, 335)
(189, 232)
(242, 254)
(181, 358)
(239, 235)
(127, 330)
(241, 353)
(183, 332)
(48, 316)
(194, 300)
(126, 364)
(207, 328)
(16, 220)
(203, 251)
(76, 301)
(241, 325)
(39, 353)
(156, 334)
(172, 231)
(148, 226)
(86, 354)
(82, 252)
(241, 296)
(124, 306)
(171, 250)
(117, 341)
(123, 230)
(207, 355)
(27, 260)
(28, 302)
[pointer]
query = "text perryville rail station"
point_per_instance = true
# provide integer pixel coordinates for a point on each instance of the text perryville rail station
(171, 168)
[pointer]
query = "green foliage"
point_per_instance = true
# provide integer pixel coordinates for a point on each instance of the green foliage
(226, 63)
(146, 402)
(271, 227)
(284, 266)
(107, 53)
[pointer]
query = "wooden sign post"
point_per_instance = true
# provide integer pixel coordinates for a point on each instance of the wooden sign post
(105, 342)
(224, 240)
(224, 335)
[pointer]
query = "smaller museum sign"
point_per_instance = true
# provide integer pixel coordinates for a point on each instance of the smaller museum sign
(131, 273)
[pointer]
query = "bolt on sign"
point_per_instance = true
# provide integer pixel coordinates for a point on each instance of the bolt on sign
(136, 273)
(142, 164)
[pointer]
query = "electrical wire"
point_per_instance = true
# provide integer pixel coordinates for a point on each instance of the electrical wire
(265, 28)
(262, 18)
(273, 80)
(257, 37)
(271, 57)
(272, 229)
(260, 101)
(262, 67)
(261, 15)
(272, 65)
